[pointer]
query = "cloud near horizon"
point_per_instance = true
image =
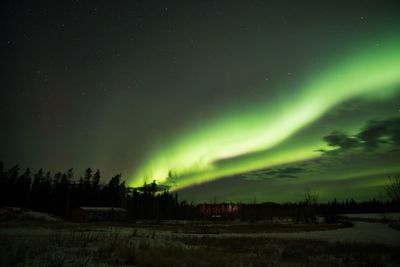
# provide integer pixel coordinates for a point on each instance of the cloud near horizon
(375, 133)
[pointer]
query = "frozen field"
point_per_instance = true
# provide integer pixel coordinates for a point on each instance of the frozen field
(362, 232)
(375, 216)
(198, 244)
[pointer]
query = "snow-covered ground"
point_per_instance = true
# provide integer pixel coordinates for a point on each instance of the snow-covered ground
(375, 216)
(363, 232)
(67, 244)
(18, 214)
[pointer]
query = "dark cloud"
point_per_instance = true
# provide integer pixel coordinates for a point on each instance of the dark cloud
(285, 172)
(289, 170)
(286, 176)
(371, 136)
(341, 140)
(378, 132)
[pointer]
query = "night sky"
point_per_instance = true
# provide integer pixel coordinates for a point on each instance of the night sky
(221, 100)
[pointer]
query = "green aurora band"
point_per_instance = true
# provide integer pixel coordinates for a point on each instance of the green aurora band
(253, 136)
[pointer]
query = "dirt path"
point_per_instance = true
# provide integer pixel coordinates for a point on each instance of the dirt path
(364, 232)
(361, 232)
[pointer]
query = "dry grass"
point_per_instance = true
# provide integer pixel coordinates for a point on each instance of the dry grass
(239, 228)
(94, 248)
(299, 251)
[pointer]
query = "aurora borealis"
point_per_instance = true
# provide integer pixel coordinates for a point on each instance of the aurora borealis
(227, 100)
(267, 125)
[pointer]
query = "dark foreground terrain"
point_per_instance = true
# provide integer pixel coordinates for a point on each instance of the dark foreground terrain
(196, 244)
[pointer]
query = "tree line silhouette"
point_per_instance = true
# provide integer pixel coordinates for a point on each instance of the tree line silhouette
(61, 192)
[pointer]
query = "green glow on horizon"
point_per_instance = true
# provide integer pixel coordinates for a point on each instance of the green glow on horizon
(378, 171)
(194, 156)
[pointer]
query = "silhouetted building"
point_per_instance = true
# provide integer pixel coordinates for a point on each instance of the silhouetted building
(218, 210)
(97, 214)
